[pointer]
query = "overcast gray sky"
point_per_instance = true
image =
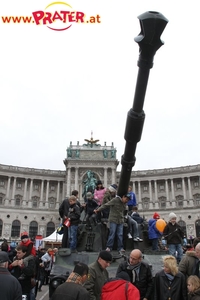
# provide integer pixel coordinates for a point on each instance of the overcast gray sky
(58, 86)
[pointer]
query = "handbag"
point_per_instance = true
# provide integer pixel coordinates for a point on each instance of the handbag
(60, 229)
(67, 222)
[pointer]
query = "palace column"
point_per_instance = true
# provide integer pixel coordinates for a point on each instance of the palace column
(58, 196)
(30, 194)
(47, 195)
(25, 193)
(7, 192)
(139, 196)
(68, 182)
(173, 195)
(150, 195)
(167, 189)
(76, 179)
(105, 177)
(156, 191)
(190, 192)
(113, 176)
(41, 194)
(13, 192)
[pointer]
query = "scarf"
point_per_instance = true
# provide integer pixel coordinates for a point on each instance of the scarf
(74, 277)
(170, 277)
(135, 271)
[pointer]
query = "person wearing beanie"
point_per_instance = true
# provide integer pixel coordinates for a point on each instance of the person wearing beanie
(98, 275)
(174, 234)
(156, 216)
(25, 241)
(153, 233)
(109, 194)
(73, 288)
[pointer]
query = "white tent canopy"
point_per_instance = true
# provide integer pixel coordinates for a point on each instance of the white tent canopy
(54, 237)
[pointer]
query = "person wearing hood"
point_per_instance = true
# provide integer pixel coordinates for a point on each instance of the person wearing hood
(189, 264)
(153, 233)
(174, 234)
(120, 288)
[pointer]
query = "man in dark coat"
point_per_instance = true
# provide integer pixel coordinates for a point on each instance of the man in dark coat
(10, 288)
(139, 273)
(23, 268)
(98, 275)
(63, 212)
(72, 289)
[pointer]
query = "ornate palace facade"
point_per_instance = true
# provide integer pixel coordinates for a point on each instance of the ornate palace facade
(30, 198)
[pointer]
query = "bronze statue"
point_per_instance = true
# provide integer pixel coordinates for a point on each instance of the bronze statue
(89, 183)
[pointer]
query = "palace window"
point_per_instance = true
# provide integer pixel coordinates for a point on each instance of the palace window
(162, 201)
(52, 202)
(33, 229)
(15, 230)
(145, 203)
(17, 201)
(179, 201)
(36, 187)
(162, 187)
(2, 183)
(35, 201)
(19, 185)
(50, 228)
(196, 184)
(178, 186)
(52, 187)
(145, 188)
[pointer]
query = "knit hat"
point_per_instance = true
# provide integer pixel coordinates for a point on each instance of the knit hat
(113, 188)
(123, 275)
(156, 216)
(89, 195)
(99, 182)
(3, 257)
(24, 235)
(105, 255)
(172, 215)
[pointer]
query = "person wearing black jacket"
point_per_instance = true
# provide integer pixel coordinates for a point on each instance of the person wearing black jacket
(174, 234)
(90, 206)
(10, 288)
(74, 218)
(73, 288)
(63, 212)
(139, 273)
(23, 269)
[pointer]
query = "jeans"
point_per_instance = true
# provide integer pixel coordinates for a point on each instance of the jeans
(176, 250)
(133, 227)
(154, 244)
(72, 232)
(115, 229)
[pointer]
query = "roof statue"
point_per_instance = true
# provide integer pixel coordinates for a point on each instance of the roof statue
(91, 142)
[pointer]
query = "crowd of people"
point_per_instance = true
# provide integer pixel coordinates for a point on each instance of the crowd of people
(102, 206)
(23, 270)
(27, 270)
(133, 279)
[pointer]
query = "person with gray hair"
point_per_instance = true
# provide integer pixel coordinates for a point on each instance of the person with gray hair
(9, 286)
